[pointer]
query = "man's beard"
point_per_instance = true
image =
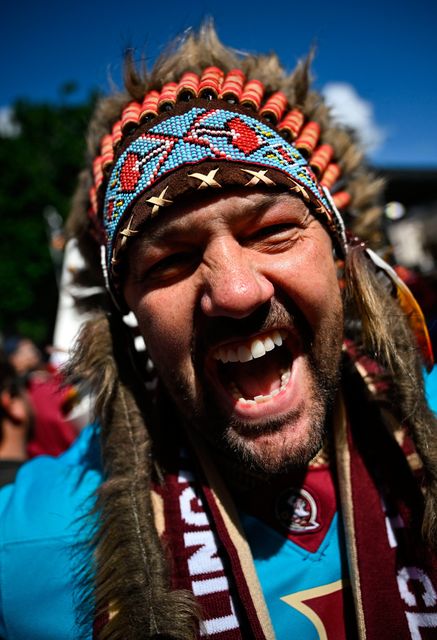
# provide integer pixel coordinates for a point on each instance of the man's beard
(234, 438)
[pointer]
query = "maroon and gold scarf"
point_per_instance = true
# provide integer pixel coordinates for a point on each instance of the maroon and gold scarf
(394, 580)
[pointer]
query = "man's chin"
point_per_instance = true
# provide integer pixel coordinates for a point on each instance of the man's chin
(275, 449)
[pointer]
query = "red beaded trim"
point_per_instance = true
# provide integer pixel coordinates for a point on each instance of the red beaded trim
(292, 123)
(275, 106)
(232, 87)
(130, 115)
(150, 104)
(308, 138)
(321, 157)
(98, 171)
(330, 176)
(252, 94)
(341, 199)
(107, 150)
(167, 97)
(116, 134)
(188, 84)
(211, 81)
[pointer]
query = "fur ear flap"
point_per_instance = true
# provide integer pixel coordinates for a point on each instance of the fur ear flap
(93, 361)
(367, 301)
(131, 586)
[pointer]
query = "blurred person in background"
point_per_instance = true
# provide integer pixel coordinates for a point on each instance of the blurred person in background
(15, 421)
(53, 433)
(23, 354)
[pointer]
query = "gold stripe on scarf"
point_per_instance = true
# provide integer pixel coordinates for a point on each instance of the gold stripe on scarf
(345, 485)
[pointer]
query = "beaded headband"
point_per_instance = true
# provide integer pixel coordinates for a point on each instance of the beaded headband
(207, 131)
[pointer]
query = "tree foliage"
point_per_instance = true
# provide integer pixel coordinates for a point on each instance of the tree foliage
(39, 165)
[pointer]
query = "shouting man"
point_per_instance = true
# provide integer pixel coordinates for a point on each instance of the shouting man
(267, 467)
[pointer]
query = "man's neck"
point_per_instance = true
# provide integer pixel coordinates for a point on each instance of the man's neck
(243, 480)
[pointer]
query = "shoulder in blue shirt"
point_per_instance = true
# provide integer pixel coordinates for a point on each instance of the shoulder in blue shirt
(43, 528)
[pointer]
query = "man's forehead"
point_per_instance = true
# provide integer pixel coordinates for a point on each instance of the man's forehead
(236, 204)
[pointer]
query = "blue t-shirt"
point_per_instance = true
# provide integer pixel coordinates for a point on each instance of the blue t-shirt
(431, 388)
(42, 534)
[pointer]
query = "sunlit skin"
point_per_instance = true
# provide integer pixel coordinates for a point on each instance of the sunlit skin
(214, 275)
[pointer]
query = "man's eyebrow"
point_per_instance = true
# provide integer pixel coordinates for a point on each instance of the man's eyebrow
(154, 230)
(265, 201)
(270, 199)
(296, 206)
(157, 231)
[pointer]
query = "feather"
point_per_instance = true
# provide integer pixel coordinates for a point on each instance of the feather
(409, 306)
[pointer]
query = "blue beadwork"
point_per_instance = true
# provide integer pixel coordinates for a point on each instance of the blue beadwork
(197, 135)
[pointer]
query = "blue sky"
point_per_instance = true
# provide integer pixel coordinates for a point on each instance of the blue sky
(384, 51)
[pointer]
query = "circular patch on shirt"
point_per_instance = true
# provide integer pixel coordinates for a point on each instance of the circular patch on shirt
(296, 509)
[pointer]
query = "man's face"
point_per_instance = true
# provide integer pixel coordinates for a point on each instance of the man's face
(238, 301)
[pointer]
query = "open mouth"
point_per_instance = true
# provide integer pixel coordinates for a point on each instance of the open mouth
(257, 370)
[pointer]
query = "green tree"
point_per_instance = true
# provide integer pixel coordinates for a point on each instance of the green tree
(39, 164)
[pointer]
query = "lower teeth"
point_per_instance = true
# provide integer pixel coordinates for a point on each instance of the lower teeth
(236, 394)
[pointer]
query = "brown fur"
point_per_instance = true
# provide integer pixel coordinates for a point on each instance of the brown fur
(131, 573)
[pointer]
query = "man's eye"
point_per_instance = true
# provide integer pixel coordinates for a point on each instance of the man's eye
(272, 230)
(172, 265)
(275, 233)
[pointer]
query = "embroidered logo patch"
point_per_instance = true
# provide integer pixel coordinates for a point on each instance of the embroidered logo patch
(296, 509)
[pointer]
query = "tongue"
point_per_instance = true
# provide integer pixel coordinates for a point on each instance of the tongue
(255, 378)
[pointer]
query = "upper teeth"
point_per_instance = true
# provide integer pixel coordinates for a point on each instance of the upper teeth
(255, 349)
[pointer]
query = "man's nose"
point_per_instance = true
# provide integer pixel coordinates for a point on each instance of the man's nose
(234, 285)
